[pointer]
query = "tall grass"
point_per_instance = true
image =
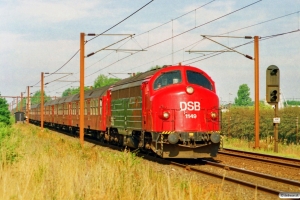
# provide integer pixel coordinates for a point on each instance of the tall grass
(48, 166)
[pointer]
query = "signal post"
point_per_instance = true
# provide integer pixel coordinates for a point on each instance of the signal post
(273, 97)
(81, 93)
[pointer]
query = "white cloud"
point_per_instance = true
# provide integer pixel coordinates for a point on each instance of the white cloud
(54, 11)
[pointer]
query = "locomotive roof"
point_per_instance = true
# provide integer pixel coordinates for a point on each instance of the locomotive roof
(136, 78)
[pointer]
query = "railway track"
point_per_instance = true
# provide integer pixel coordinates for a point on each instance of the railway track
(257, 181)
(282, 161)
(261, 182)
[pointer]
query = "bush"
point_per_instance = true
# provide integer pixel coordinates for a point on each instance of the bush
(4, 112)
(239, 122)
(8, 144)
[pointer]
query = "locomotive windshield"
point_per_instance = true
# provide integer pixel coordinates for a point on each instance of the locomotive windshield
(167, 78)
(198, 79)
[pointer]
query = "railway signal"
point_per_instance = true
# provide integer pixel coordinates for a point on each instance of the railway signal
(272, 97)
(272, 84)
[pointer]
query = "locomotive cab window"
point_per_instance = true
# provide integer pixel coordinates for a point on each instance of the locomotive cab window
(167, 78)
(198, 79)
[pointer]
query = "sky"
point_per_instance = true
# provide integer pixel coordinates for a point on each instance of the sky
(44, 36)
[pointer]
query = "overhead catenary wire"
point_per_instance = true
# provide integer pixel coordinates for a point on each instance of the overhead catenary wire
(204, 24)
(228, 32)
(175, 35)
(261, 38)
(217, 35)
(180, 34)
(156, 28)
(174, 19)
(247, 56)
(100, 34)
(121, 20)
(215, 54)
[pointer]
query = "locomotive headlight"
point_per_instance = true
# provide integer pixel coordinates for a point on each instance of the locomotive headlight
(189, 90)
(213, 115)
(166, 115)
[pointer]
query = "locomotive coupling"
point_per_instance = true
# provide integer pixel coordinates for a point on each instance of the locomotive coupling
(173, 138)
(215, 137)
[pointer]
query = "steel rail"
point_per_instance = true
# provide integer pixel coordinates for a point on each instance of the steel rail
(257, 174)
(245, 183)
(261, 154)
(262, 159)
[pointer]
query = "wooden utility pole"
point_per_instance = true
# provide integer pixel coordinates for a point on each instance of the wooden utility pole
(297, 131)
(21, 102)
(81, 100)
(17, 108)
(42, 101)
(27, 105)
(256, 81)
(276, 130)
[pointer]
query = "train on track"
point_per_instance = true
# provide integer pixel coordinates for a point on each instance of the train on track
(172, 111)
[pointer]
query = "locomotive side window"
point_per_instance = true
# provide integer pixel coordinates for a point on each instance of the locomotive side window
(167, 78)
(198, 79)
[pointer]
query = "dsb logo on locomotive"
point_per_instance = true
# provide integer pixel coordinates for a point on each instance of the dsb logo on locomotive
(190, 105)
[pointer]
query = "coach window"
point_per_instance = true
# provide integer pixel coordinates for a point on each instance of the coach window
(93, 107)
(100, 107)
(59, 109)
(74, 108)
(78, 108)
(167, 78)
(96, 107)
(198, 79)
(66, 109)
(85, 107)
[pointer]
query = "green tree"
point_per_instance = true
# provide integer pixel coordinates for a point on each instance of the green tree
(4, 112)
(36, 98)
(155, 67)
(243, 96)
(71, 91)
(103, 80)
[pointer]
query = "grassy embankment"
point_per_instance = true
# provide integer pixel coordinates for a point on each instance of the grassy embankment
(45, 165)
(291, 150)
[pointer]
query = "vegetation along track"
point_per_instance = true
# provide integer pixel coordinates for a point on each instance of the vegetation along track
(282, 161)
(261, 182)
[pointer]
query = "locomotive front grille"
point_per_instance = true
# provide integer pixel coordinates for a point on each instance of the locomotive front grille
(173, 137)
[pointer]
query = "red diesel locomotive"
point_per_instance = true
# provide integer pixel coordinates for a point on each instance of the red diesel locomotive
(172, 111)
